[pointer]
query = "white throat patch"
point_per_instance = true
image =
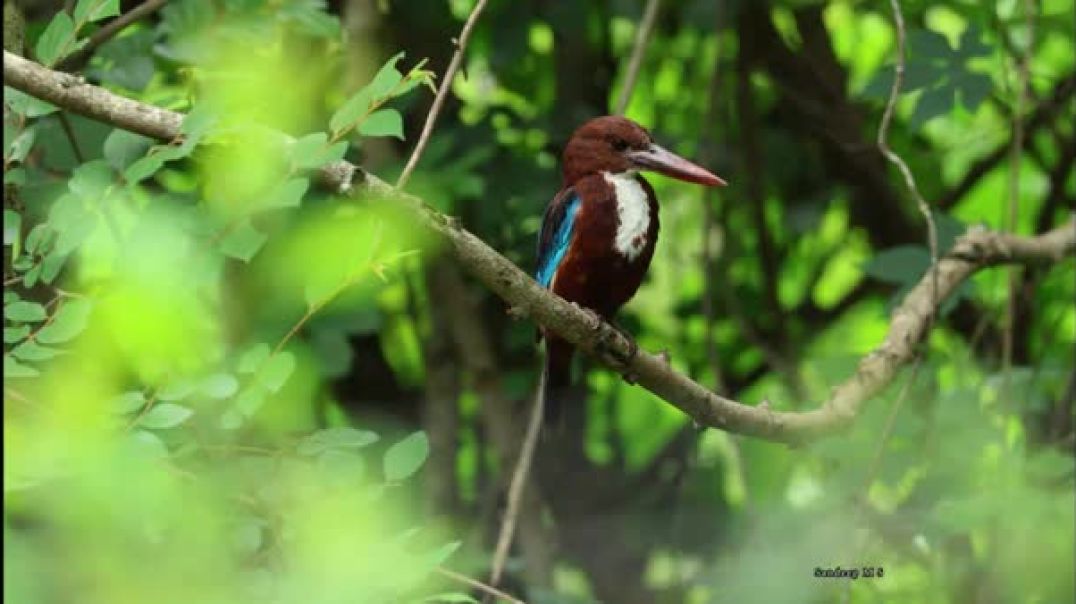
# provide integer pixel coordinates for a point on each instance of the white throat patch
(633, 210)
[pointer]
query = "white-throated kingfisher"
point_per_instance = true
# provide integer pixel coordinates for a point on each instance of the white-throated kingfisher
(598, 233)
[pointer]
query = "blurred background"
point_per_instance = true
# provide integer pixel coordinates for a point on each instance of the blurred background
(224, 384)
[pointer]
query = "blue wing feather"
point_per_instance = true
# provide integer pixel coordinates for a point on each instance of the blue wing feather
(556, 236)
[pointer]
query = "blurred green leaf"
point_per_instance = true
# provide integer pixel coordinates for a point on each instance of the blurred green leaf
(165, 415)
(253, 358)
(122, 148)
(128, 402)
(14, 369)
(276, 371)
(334, 438)
(902, 265)
(243, 241)
(219, 386)
(32, 351)
(405, 457)
(289, 194)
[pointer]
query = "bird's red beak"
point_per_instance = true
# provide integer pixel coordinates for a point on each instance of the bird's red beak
(668, 163)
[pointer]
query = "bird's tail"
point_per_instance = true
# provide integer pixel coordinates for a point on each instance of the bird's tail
(556, 379)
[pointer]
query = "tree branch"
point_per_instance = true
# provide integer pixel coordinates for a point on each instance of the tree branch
(974, 251)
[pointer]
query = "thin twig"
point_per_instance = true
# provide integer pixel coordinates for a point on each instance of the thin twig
(489, 589)
(78, 59)
(442, 92)
(70, 133)
(515, 488)
(642, 37)
(1015, 152)
(924, 208)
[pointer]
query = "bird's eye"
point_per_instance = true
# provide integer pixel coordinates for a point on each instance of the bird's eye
(620, 144)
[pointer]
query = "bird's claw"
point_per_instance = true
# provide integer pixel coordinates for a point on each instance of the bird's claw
(595, 320)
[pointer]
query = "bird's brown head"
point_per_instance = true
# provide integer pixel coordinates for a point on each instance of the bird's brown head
(616, 144)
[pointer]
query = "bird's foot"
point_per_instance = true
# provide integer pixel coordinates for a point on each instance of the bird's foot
(592, 317)
(625, 359)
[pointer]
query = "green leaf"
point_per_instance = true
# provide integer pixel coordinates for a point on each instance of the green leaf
(26, 105)
(14, 369)
(122, 148)
(931, 104)
(26, 312)
(15, 334)
(143, 168)
(313, 151)
(289, 194)
(176, 391)
(55, 40)
(128, 402)
(36, 238)
(243, 241)
(386, 78)
(335, 438)
(149, 443)
(360, 103)
(439, 555)
(91, 180)
(253, 358)
(350, 112)
(276, 371)
(69, 321)
(30, 278)
(21, 146)
(902, 265)
(51, 265)
(220, 386)
(15, 176)
(32, 351)
(165, 415)
(88, 11)
(383, 122)
(13, 231)
(405, 457)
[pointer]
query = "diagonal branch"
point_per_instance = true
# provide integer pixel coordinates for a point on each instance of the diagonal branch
(974, 251)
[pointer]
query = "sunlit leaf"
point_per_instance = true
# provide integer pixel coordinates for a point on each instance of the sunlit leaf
(383, 122)
(333, 438)
(95, 10)
(243, 241)
(14, 369)
(70, 320)
(405, 457)
(276, 371)
(165, 415)
(56, 39)
(289, 194)
(219, 386)
(253, 358)
(32, 351)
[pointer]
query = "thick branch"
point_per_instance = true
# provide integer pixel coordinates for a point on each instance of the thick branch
(972, 252)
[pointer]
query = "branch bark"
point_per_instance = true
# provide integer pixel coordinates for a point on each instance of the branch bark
(972, 252)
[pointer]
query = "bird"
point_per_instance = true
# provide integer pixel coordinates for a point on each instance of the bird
(599, 232)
